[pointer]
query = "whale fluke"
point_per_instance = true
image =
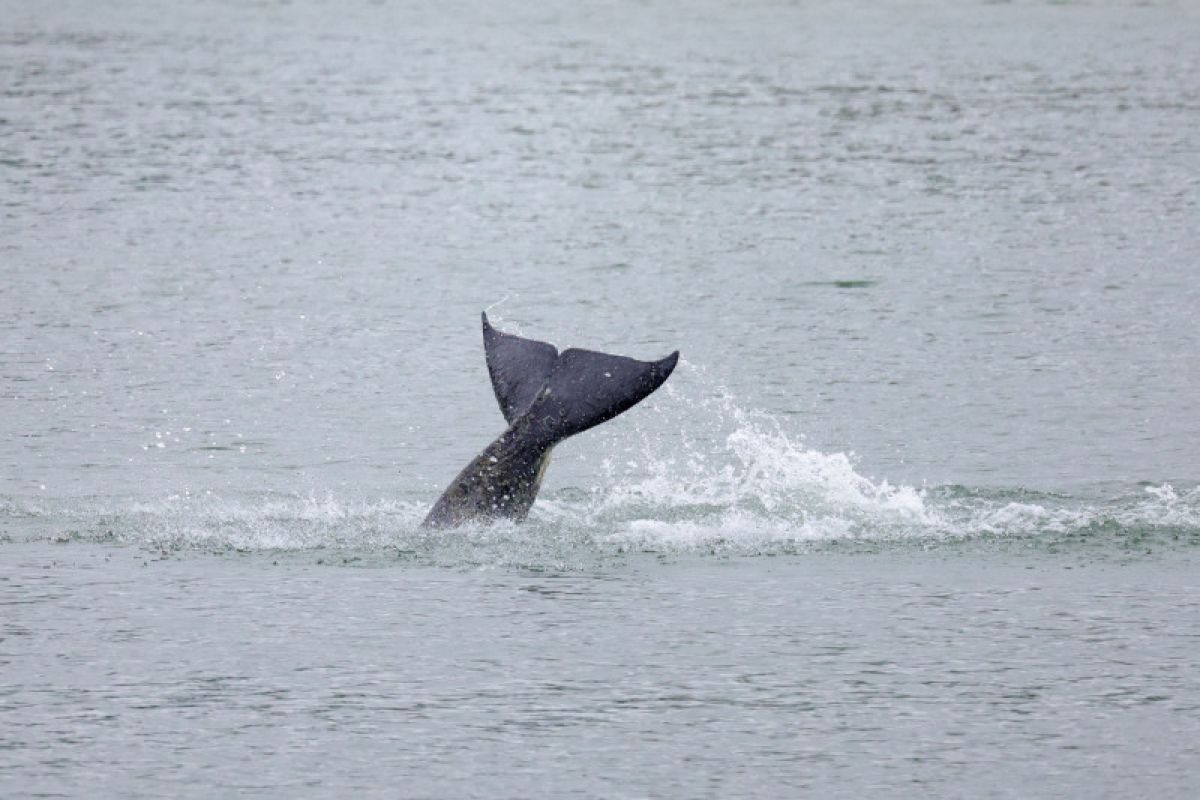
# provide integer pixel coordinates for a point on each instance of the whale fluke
(519, 368)
(586, 388)
(545, 396)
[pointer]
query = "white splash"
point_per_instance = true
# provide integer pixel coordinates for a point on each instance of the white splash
(737, 476)
(696, 475)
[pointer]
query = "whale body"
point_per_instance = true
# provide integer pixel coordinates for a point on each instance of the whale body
(545, 396)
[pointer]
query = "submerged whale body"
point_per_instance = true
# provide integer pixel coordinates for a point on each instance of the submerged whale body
(546, 396)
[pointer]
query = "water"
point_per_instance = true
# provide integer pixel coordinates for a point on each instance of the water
(918, 513)
(919, 674)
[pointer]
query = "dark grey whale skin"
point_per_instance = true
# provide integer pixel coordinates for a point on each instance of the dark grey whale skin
(546, 396)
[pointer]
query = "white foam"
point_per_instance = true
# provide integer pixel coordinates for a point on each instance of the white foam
(731, 480)
(745, 480)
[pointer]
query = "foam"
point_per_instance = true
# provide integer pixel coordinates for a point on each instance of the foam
(733, 481)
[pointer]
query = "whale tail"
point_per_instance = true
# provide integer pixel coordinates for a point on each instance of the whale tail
(546, 396)
(566, 393)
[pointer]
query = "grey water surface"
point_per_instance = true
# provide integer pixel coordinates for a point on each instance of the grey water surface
(917, 514)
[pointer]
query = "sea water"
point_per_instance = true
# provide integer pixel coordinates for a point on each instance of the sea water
(917, 515)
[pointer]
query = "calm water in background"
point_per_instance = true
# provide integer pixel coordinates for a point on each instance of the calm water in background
(918, 515)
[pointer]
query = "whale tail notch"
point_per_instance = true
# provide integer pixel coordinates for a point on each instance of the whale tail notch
(566, 393)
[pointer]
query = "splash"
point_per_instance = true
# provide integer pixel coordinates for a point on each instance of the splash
(735, 479)
(829, 505)
(731, 481)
